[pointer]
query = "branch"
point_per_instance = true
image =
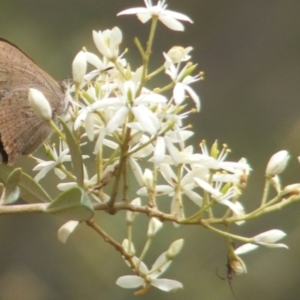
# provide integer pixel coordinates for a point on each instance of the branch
(91, 223)
(23, 208)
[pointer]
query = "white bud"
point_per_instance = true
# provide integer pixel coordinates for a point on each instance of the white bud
(148, 179)
(291, 189)
(277, 163)
(128, 247)
(79, 66)
(66, 229)
(153, 227)
(40, 104)
(174, 249)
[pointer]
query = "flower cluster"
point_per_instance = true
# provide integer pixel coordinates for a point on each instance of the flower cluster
(138, 131)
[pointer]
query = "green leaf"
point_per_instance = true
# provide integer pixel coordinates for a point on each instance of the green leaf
(1, 188)
(74, 152)
(73, 204)
(30, 190)
(12, 196)
(12, 192)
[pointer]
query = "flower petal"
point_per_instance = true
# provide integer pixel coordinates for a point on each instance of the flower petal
(245, 248)
(130, 281)
(167, 285)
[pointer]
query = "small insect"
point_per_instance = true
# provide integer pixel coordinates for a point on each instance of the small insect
(21, 130)
(229, 277)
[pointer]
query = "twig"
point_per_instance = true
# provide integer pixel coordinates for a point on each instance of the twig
(91, 223)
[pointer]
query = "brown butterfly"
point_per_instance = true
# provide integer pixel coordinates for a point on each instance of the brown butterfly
(21, 130)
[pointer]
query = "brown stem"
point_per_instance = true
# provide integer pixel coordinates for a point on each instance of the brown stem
(91, 223)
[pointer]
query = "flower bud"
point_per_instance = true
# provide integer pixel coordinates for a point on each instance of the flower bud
(128, 247)
(277, 163)
(79, 66)
(291, 189)
(174, 249)
(40, 104)
(148, 179)
(153, 227)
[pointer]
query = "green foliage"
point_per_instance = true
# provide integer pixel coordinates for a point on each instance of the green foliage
(75, 153)
(30, 190)
(72, 204)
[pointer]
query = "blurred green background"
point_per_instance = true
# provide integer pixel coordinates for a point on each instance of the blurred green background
(250, 52)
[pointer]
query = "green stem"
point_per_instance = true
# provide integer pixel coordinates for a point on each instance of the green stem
(57, 130)
(140, 48)
(266, 192)
(147, 55)
(198, 213)
(229, 235)
(156, 72)
(145, 249)
(165, 88)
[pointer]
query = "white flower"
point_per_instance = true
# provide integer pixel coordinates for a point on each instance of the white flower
(58, 158)
(213, 162)
(108, 42)
(182, 82)
(277, 163)
(166, 142)
(147, 277)
(224, 199)
(236, 172)
(118, 108)
(40, 104)
(181, 88)
(266, 239)
(186, 183)
(167, 17)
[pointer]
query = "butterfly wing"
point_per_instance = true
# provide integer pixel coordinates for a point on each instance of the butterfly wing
(21, 131)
